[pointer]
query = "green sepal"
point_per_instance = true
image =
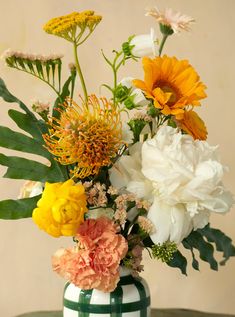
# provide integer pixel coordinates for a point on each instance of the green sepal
(178, 261)
(206, 250)
(17, 209)
(222, 242)
(165, 29)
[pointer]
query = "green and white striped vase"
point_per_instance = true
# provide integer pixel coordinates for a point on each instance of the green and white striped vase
(131, 298)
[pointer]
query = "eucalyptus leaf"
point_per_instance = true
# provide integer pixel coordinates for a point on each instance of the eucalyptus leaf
(222, 242)
(206, 250)
(178, 261)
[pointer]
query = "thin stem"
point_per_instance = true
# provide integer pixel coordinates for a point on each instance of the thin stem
(165, 36)
(80, 72)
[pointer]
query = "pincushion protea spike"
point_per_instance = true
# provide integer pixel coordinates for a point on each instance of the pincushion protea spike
(87, 134)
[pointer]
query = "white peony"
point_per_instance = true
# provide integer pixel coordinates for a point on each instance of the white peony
(182, 178)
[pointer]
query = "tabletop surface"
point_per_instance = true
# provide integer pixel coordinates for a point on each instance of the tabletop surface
(155, 313)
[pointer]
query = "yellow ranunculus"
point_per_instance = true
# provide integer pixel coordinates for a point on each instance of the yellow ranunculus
(61, 208)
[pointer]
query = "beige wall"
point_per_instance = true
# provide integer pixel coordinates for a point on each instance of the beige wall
(26, 280)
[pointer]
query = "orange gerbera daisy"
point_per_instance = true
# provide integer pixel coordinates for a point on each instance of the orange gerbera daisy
(88, 135)
(193, 125)
(173, 84)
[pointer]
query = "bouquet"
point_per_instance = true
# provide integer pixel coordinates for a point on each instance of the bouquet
(120, 173)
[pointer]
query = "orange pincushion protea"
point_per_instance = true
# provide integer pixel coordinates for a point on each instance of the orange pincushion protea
(172, 84)
(88, 135)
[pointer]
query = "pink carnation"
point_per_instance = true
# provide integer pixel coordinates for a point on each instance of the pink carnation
(95, 262)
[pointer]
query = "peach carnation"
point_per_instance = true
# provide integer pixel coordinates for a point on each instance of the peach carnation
(95, 261)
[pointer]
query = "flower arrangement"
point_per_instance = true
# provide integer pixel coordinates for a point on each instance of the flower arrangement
(117, 186)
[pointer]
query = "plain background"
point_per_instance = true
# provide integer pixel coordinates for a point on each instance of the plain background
(27, 282)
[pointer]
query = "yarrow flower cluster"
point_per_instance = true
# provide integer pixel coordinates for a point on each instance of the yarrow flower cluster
(124, 173)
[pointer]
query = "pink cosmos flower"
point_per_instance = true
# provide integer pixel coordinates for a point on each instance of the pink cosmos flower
(94, 263)
(175, 20)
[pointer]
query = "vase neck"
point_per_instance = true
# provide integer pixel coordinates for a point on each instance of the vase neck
(124, 271)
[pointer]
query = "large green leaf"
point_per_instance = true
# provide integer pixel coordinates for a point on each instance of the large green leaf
(222, 242)
(21, 168)
(178, 261)
(24, 122)
(17, 209)
(206, 250)
(20, 142)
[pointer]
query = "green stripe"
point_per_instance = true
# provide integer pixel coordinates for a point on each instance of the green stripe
(106, 309)
(116, 302)
(84, 299)
(142, 293)
(126, 280)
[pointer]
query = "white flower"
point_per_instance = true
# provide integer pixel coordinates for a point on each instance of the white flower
(138, 98)
(183, 179)
(175, 20)
(31, 189)
(144, 44)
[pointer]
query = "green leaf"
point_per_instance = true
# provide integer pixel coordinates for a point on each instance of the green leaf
(24, 122)
(17, 209)
(195, 263)
(206, 250)
(178, 261)
(20, 142)
(21, 168)
(65, 93)
(222, 242)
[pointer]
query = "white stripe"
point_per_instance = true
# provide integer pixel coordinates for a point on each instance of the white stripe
(99, 297)
(130, 293)
(72, 293)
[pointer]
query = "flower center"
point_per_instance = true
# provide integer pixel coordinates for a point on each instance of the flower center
(167, 87)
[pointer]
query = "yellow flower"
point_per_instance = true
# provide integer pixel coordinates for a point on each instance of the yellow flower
(60, 211)
(193, 125)
(173, 84)
(73, 26)
(88, 135)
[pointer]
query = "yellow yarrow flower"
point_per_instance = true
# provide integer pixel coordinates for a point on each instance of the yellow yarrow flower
(73, 26)
(60, 211)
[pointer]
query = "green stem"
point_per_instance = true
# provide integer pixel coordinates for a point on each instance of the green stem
(80, 72)
(165, 36)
